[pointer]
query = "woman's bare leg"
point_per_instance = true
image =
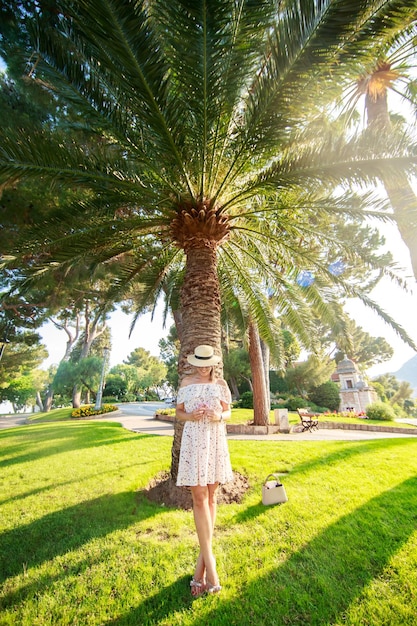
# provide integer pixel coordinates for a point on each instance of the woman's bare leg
(203, 517)
(213, 503)
(213, 512)
(200, 568)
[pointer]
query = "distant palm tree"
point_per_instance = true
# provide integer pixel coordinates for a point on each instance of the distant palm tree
(189, 128)
(394, 72)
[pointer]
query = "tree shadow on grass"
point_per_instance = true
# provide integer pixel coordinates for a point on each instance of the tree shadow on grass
(54, 484)
(172, 598)
(48, 439)
(68, 529)
(317, 584)
(345, 451)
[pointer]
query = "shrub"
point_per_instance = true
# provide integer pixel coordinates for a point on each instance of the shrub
(151, 396)
(380, 411)
(112, 399)
(278, 405)
(88, 410)
(295, 402)
(326, 394)
(246, 400)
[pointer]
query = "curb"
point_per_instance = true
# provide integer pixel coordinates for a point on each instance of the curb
(368, 427)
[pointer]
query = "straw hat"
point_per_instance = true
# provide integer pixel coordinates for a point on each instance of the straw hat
(203, 357)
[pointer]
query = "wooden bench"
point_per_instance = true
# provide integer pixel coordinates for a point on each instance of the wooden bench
(309, 421)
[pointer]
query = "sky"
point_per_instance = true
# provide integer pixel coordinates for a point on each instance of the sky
(146, 334)
(400, 304)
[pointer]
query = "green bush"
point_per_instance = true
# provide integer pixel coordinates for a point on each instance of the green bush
(278, 405)
(380, 411)
(246, 400)
(326, 395)
(294, 402)
(151, 396)
(111, 399)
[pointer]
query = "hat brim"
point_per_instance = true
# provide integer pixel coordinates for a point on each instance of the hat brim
(213, 360)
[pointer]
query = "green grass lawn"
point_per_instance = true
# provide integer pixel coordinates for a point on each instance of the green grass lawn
(81, 545)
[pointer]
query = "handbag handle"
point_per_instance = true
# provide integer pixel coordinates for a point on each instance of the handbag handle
(273, 476)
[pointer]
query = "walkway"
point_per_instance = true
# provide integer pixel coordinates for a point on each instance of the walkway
(139, 418)
(10, 421)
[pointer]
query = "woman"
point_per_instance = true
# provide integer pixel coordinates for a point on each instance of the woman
(203, 403)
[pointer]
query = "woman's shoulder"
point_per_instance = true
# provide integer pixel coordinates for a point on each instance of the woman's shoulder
(221, 382)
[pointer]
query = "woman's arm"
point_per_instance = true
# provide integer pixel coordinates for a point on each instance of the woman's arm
(226, 411)
(226, 406)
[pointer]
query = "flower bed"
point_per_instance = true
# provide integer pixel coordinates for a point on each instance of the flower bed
(89, 411)
(343, 414)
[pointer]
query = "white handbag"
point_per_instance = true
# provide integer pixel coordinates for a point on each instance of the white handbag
(273, 491)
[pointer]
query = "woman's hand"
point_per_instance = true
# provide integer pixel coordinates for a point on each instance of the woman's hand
(198, 414)
(212, 415)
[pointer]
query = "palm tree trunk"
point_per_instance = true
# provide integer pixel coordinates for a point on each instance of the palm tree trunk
(200, 304)
(400, 193)
(404, 204)
(200, 319)
(260, 408)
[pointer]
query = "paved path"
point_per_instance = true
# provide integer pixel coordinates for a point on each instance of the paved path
(138, 417)
(10, 421)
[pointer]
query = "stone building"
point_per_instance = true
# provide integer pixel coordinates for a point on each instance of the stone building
(355, 393)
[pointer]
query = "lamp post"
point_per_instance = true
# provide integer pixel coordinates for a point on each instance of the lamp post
(99, 396)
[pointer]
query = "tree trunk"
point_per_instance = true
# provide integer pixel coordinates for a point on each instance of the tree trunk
(76, 397)
(404, 204)
(260, 407)
(91, 332)
(250, 383)
(39, 402)
(234, 388)
(399, 191)
(266, 360)
(46, 404)
(71, 339)
(200, 319)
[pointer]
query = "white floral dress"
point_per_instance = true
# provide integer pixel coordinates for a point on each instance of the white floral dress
(204, 455)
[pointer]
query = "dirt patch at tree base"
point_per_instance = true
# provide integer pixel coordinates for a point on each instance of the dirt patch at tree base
(165, 492)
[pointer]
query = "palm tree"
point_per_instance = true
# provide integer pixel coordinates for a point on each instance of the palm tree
(192, 120)
(392, 72)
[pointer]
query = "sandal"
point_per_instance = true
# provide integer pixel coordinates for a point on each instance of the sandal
(212, 589)
(198, 587)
